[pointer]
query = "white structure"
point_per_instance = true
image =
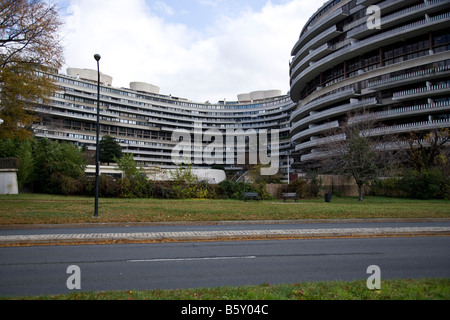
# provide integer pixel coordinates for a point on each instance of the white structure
(212, 176)
(258, 95)
(144, 87)
(90, 75)
(8, 181)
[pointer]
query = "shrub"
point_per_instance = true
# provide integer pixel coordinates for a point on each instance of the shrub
(299, 186)
(305, 188)
(63, 184)
(389, 187)
(234, 190)
(135, 188)
(186, 185)
(261, 189)
(162, 190)
(53, 161)
(425, 184)
(108, 187)
(225, 189)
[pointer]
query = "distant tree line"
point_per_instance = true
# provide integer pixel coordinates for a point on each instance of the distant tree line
(46, 166)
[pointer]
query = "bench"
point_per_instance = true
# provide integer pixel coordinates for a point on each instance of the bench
(289, 195)
(251, 195)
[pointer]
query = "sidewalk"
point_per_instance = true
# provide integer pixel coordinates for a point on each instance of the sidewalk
(226, 235)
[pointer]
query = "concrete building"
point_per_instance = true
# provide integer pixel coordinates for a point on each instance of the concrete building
(391, 59)
(143, 121)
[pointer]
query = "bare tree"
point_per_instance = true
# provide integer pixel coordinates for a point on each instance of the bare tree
(359, 149)
(429, 149)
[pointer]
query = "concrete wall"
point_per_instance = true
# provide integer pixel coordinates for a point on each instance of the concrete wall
(273, 189)
(8, 181)
(212, 176)
(342, 185)
(346, 186)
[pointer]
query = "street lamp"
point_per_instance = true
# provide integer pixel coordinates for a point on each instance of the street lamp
(97, 154)
(289, 153)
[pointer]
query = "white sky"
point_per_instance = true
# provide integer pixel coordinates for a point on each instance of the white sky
(195, 49)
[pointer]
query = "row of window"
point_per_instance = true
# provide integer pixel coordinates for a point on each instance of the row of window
(399, 52)
(163, 99)
(164, 109)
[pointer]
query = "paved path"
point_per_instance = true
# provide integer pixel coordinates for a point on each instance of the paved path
(211, 235)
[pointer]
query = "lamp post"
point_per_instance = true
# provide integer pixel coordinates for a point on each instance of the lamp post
(289, 153)
(97, 154)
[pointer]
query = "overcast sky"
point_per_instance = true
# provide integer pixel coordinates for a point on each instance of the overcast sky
(202, 50)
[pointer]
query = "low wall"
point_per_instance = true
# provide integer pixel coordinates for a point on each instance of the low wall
(273, 188)
(341, 185)
(212, 176)
(8, 181)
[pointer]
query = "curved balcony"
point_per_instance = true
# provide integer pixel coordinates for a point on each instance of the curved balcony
(408, 127)
(421, 92)
(417, 126)
(313, 56)
(330, 113)
(317, 27)
(388, 21)
(399, 113)
(315, 129)
(304, 110)
(319, 142)
(314, 43)
(408, 78)
(356, 48)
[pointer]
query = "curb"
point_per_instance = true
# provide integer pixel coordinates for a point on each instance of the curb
(229, 222)
(104, 238)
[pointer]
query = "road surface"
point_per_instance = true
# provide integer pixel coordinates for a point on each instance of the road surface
(35, 270)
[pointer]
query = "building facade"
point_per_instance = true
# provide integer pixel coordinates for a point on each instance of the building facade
(390, 58)
(143, 121)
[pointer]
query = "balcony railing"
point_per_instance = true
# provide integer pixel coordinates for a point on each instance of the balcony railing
(420, 91)
(407, 127)
(410, 76)
(401, 112)
(326, 100)
(333, 112)
(357, 46)
(313, 29)
(397, 16)
(322, 37)
(316, 129)
(319, 142)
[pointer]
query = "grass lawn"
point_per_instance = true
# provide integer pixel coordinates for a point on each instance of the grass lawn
(50, 209)
(420, 289)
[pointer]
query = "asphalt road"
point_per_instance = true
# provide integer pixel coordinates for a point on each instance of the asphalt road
(43, 269)
(223, 226)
